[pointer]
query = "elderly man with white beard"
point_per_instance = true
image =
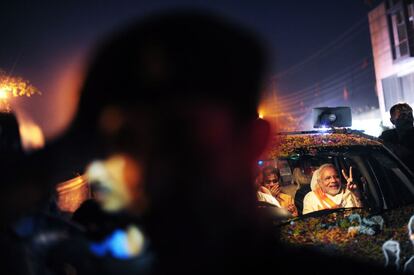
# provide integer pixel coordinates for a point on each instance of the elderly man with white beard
(328, 191)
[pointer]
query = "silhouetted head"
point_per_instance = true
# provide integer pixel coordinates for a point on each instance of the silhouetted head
(402, 116)
(178, 93)
(10, 141)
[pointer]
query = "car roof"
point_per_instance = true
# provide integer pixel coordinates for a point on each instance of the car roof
(286, 143)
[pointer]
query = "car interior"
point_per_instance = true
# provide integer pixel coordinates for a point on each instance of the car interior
(381, 180)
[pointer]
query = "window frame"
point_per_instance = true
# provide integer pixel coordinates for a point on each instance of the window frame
(393, 8)
(361, 156)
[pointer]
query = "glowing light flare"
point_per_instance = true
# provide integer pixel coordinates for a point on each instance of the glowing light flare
(3, 93)
(324, 128)
(31, 135)
(280, 117)
(261, 111)
(14, 86)
(369, 126)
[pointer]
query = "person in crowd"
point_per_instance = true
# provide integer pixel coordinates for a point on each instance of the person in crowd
(178, 93)
(303, 181)
(328, 191)
(270, 191)
(399, 139)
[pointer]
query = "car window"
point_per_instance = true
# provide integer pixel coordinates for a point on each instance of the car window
(382, 180)
(306, 164)
(395, 183)
(343, 160)
(367, 187)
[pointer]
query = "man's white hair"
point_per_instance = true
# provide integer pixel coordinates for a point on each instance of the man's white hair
(316, 177)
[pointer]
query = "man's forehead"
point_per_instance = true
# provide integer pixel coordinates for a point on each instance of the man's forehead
(328, 169)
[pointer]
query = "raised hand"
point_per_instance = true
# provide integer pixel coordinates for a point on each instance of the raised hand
(349, 180)
(264, 190)
(293, 210)
(275, 190)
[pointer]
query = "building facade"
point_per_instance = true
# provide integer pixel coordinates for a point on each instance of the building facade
(392, 38)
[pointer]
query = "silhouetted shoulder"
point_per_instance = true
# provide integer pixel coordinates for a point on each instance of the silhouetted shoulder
(389, 135)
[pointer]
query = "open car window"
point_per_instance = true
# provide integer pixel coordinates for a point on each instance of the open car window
(393, 180)
(382, 181)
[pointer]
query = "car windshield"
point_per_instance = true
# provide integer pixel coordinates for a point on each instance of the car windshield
(382, 181)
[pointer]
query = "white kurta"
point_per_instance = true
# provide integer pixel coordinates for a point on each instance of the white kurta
(312, 203)
(267, 198)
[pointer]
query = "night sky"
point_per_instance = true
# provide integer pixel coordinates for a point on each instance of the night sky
(316, 46)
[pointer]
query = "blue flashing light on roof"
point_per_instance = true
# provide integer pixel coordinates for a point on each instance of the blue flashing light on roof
(260, 162)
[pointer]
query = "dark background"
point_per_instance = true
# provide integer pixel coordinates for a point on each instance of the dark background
(316, 45)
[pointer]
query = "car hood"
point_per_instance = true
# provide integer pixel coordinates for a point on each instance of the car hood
(357, 233)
